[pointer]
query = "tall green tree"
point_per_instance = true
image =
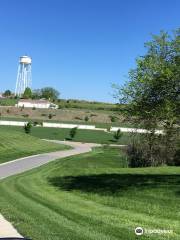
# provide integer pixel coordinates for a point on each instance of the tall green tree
(27, 93)
(152, 94)
(49, 93)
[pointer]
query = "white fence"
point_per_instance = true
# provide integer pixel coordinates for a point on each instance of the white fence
(86, 127)
(64, 125)
(12, 123)
(135, 130)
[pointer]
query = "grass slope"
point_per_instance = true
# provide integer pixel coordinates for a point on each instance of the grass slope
(16, 144)
(93, 196)
(81, 136)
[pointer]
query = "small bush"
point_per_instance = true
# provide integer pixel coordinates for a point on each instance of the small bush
(50, 116)
(86, 119)
(8, 111)
(33, 108)
(112, 118)
(27, 127)
(73, 132)
(117, 135)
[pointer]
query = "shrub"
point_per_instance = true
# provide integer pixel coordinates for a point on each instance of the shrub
(117, 135)
(136, 157)
(86, 119)
(112, 118)
(8, 111)
(27, 127)
(50, 116)
(73, 132)
(33, 108)
(145, 153)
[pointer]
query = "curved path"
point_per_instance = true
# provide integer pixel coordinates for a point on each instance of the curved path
(23, 164)
(27, 163)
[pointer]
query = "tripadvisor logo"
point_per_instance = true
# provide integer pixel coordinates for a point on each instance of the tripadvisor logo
(139, 231)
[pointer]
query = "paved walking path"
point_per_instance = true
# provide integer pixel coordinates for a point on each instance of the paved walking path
(6, 229)
(27, 163)
(23, 164)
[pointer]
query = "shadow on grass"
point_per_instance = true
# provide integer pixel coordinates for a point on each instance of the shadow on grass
(105, 184)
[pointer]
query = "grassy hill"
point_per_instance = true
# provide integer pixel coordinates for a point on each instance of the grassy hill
(93, 196)
(16, 144)
(91, 136)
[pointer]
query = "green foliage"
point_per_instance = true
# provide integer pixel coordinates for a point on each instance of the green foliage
(50, 116)
(112, 118)
(82, 104)
(27, 127)
(152, 94)
(86, 119)
(36, 94)
(7, 93)
(117, 135)
(27, 93)
(73, 132)
(8, 102)
(49, 93)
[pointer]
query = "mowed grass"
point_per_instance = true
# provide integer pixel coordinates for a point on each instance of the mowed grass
(91, 136)
(93, 196)
(15, 144)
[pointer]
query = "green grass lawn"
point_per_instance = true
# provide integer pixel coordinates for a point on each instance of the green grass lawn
(81, 136)
(93, 197)
(15, 144)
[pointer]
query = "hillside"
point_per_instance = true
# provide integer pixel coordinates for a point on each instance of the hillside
(14, 144)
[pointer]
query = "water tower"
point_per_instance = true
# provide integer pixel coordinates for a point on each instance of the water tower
(24, 75)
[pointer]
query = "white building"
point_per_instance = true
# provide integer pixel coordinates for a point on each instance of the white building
(29, 103)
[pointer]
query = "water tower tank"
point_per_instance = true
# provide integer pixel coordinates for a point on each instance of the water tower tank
(25, 60)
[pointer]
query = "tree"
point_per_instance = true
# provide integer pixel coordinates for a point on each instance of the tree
(86, 118)
(49, 93)
(27, 127)
(73, 132)
(7, 93)
(27, 93)
(36, 94)
(117, 135)
(152, 94)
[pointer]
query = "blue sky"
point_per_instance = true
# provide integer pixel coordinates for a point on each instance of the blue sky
(79, 47)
